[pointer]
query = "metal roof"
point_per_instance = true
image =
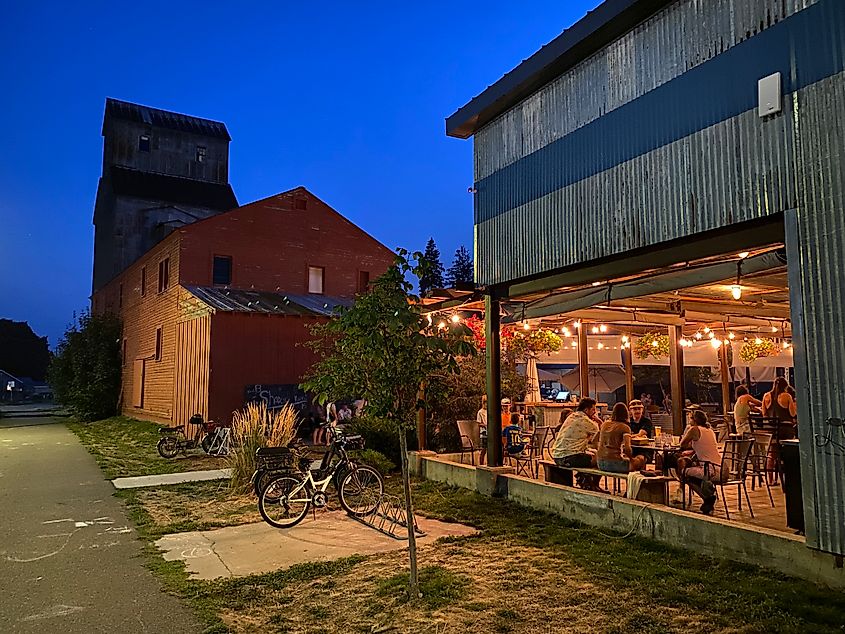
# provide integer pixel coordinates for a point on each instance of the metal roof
(173, 189)
(164, 119)
(599, 27)
(271, 303)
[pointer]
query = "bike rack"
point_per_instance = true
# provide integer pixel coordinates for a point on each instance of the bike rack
(388, 517)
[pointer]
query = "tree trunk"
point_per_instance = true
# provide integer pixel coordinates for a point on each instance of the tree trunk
(413, 584)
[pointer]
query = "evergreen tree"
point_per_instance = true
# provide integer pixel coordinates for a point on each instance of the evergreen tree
(461, 270)
(432, 276)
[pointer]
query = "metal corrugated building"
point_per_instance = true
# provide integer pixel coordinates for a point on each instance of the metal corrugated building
(634, 138)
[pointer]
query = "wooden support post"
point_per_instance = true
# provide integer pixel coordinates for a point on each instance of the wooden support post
(583, 363)
(422, 442)
(726, 379)
(494, 381)
(628, 358)
(676, 379)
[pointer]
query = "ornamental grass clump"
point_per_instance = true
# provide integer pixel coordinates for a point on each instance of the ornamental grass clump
(253, 427)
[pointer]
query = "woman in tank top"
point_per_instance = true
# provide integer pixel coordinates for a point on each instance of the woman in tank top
(745, 404)
(702, 440)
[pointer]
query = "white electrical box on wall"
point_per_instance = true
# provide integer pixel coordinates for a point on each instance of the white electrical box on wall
(768, 95)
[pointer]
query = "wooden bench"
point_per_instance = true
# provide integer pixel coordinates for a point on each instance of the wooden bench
(654, 490)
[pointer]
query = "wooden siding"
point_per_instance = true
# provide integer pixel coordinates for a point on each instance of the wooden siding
(190, 386)
(141, 317)
(247, 349)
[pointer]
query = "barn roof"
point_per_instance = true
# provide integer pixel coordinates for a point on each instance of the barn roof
(116, 109)
(251, 301)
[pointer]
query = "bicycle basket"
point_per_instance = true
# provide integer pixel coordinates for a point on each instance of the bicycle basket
(276, 458)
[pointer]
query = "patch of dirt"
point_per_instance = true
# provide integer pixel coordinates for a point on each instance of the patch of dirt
(511, 588)
(203, 506)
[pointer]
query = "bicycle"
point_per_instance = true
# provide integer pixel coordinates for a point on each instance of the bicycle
(212, 437)
(287, 497)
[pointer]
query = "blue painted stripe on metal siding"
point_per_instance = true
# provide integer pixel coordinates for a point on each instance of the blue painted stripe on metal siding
(806, 47)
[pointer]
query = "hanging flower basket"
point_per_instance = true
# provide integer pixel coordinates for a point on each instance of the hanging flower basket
(652, 344)
(751, 350)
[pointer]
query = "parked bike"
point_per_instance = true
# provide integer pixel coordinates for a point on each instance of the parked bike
(211, 437)
(287, 495)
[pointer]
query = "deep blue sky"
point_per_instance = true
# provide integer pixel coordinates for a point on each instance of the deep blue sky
(347, 99)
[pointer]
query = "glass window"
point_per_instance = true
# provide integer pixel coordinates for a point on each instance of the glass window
(221, 270)
(163, 275)
(200, 154)
(144, 143)
(143, 281)
(158, 343)
(315, 279)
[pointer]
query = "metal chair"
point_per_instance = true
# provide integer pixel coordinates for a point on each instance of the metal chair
(758, 461)
(523, 461)
(469, 433)
(733, 471)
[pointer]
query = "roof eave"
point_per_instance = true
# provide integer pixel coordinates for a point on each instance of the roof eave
(607, 22)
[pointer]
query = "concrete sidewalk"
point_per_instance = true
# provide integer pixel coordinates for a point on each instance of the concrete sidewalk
(258, 548)
(137, 482)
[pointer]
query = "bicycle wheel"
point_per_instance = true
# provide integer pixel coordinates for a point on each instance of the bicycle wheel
(168, 447)
(206, 443)
(284, 502)
(361, 491)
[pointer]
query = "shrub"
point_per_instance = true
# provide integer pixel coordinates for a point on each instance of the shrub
(381, 436)
(85, 372)
(253, 427)
(375, 459)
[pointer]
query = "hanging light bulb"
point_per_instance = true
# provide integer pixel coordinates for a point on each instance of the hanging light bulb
(595, 330)
(711, 335)
(526, 326)
(577, 324)
(654, 344)
(758, 341)
(574, 343)
(731, 335)
(600, 345)
(727, 342)
(603, 328)
(441, 324)
(698, 335)
(736, 291)
(774, 328)
(715, 343)
(706, 329)
(455, 319)
(624, 338)
(744, 255)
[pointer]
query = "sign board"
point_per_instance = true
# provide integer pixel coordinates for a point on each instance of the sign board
(275, 396)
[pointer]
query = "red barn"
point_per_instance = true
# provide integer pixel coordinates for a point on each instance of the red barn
(226, 302)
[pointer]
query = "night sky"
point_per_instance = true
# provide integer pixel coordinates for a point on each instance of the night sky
(347, 99)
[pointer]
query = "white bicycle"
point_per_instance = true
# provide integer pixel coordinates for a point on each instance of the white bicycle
(285, 499)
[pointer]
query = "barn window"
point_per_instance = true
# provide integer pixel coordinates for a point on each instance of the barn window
(363, 281)
(315, 279)
(163, 275)
(143, 281)
(144, 143)
(200, 154)
(158, 343)
(221, 270)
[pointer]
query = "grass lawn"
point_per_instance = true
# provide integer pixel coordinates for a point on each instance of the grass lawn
(525, 572)
(124, 446)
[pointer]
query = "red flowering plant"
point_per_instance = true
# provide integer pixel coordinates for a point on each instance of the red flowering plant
(517, 343)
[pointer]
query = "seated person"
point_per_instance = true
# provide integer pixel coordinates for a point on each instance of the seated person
(481, 419)
(639, 423)
(614, 447)
(704, 459)
(512, 436)
(579, 430)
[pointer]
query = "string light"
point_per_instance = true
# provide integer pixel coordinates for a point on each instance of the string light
(758, 341)
(455, 319)
(736, 291)
(600, 345)
(715, 343)
(624, 338)
(526, 326)
(731, 335)
(711, 335)
(654, 344)
(441, 325)
(577, 324)
(698, 335)
(706, 329)
(603, 328)
(574, 343)
(726, 342)
(595, 330)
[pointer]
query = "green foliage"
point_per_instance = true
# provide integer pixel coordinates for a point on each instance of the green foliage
(375, 459)
(379, 435)
(432, 275)
(381, 349)
(85, 372)
(652, 344)
(461, 271)
(22, 352)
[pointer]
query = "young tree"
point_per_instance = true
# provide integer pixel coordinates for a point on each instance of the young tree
(382, 349)
(432, 276)
(461, 271)
(85, 372)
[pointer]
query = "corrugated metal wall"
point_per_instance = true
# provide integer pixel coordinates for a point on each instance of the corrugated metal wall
(191, 377)
(821, 297)
(734, 167)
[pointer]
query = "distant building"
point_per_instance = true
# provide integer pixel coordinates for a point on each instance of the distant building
(223, 305)
(161, 171)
